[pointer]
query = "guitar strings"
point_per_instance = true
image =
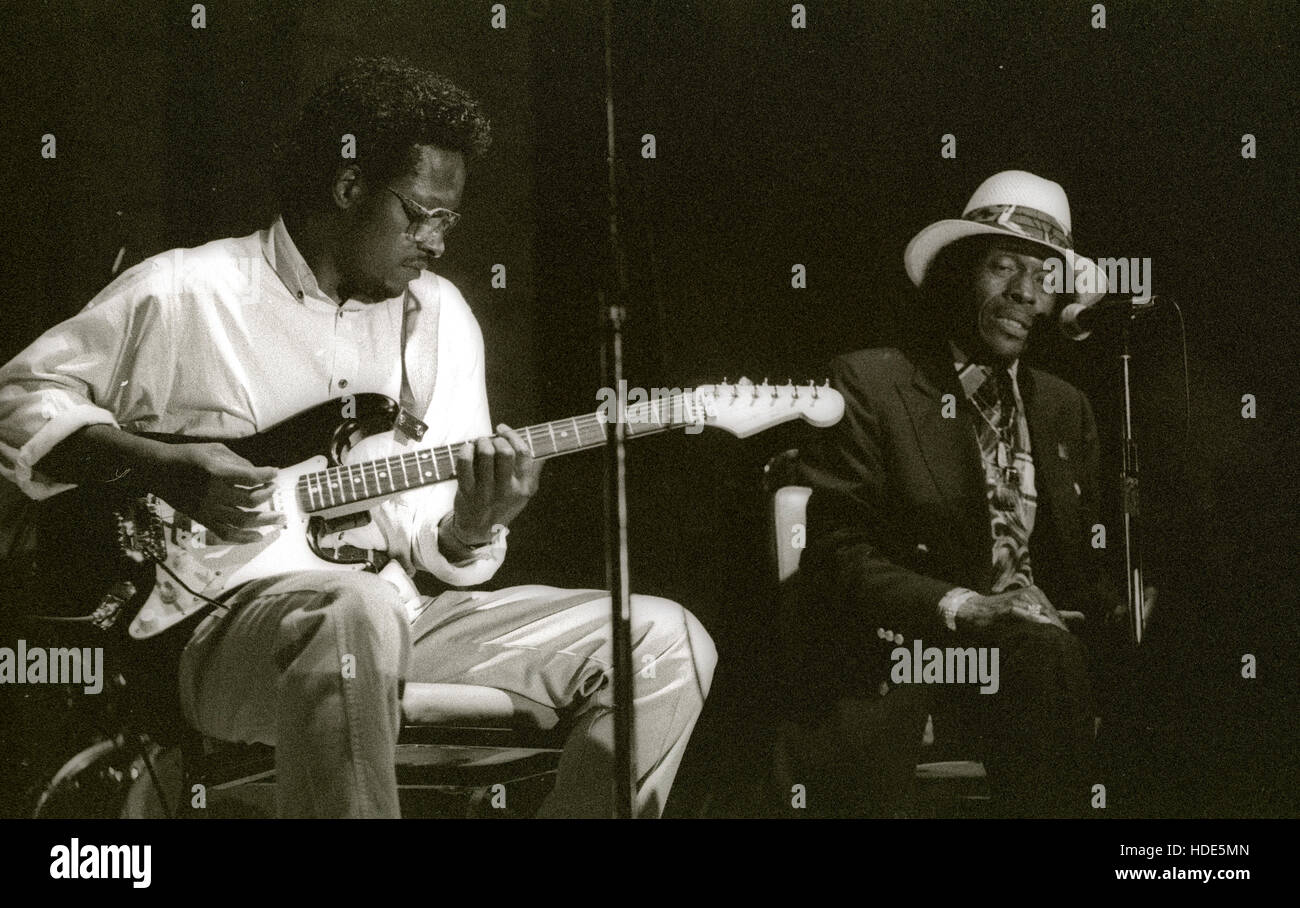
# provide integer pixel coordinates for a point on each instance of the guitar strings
(443, 457)
(643, 418)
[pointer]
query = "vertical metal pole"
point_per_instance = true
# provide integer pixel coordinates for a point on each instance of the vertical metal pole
(616, 573)
(616, 553)
(1131, 505)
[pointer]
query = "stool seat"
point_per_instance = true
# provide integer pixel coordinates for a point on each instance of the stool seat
(425, 703)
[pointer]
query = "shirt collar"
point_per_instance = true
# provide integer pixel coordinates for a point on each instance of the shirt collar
(288, 264)
(282, 255)
(971, 378)
(960, 359)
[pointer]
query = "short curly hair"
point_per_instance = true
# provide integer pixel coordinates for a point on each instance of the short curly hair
(390, 107)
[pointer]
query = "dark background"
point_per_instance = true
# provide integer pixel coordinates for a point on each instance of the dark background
(776, 146)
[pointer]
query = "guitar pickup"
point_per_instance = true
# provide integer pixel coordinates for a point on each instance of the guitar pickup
(346, 522)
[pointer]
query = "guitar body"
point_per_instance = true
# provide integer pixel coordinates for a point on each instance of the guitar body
(130, 551)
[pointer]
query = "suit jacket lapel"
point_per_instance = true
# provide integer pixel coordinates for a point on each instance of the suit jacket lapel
(959, 477)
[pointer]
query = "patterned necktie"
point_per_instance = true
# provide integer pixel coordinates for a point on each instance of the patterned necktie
(1003, 435)
(1006, 399)
(1011, 512)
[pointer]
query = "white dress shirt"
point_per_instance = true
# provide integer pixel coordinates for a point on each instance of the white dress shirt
(232, 337)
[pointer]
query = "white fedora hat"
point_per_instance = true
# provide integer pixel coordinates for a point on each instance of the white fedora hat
(1011, 203)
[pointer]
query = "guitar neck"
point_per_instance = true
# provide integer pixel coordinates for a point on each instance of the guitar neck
(355, 483)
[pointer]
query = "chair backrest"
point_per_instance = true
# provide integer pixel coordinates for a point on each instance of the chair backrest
(789, 527)
(787, 506)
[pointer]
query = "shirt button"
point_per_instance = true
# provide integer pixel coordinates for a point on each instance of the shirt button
(343, 382)
(299, 294)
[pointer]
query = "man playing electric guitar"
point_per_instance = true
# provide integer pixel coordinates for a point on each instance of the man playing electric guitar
(336, 299)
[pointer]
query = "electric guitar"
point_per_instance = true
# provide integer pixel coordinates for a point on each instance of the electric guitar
(138, 552)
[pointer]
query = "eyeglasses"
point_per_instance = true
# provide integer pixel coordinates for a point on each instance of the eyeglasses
(425, 222)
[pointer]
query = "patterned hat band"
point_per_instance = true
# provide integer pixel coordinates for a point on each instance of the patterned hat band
(1029, 222)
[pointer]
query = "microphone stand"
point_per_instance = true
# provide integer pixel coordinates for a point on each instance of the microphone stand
(1129, 500)
(616, 551)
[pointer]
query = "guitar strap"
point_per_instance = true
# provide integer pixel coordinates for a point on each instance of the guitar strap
(419, 370)
(419, 364)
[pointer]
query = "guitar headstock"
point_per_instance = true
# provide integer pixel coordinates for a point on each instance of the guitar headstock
(744, 408)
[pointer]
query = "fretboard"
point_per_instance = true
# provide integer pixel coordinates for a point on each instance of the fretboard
(352, 483)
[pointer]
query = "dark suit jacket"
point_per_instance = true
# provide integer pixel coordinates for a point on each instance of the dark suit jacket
(898, 514)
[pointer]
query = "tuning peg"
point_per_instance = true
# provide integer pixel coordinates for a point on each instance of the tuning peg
(794, 390)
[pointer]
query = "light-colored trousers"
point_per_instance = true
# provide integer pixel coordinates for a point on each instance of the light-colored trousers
(311, 662)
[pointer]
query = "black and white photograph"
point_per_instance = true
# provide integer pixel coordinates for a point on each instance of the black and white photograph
(632, 409)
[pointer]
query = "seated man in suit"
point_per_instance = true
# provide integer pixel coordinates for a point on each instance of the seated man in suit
(954, 504)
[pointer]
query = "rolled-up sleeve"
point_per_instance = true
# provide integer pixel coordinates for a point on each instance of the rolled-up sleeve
(108, 364)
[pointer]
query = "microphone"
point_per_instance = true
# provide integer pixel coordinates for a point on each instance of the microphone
(1079, 320)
